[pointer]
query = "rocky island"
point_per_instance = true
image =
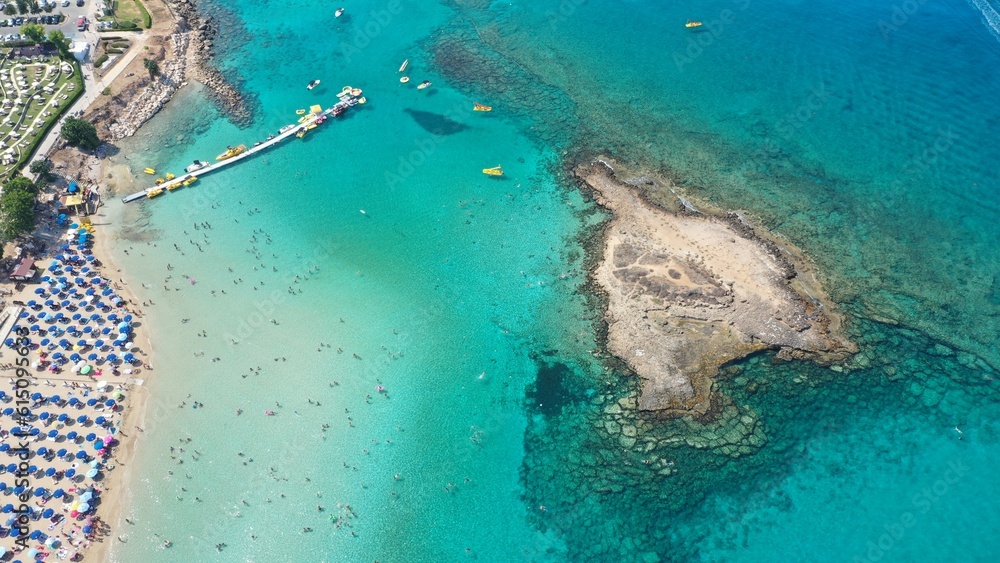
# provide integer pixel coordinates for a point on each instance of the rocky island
(688, 291)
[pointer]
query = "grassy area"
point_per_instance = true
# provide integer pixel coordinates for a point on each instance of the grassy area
(131, 11)
(35, 108)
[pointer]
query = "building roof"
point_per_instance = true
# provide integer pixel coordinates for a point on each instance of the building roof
(25, 269)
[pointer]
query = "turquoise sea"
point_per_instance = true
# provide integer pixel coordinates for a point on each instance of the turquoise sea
(425, 334)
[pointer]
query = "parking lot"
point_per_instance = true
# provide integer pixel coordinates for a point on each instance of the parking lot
(63, 17)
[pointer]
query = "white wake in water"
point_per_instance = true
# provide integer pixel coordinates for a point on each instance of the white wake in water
(990, 16)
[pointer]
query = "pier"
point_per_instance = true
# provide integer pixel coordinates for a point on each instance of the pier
(348, 97)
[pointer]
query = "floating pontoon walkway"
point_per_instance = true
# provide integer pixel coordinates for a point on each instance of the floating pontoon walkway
(348, 98)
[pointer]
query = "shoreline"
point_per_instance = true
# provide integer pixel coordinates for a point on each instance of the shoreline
(676, 304)
(180, 40)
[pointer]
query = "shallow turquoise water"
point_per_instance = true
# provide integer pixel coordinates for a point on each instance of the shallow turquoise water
(457, 292)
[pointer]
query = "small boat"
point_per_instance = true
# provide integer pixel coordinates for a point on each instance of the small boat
(362, 100)
(311, 126)
(692, 23)
(355, 92)
(257, 143)
(404, 79)
(169, 176)
(284, 129)
(269, 137)
(269, 413)
(301, 133)
(159, 181)
(300, 112)
(405, 64)
(424, 84)
(153, 193)
(312, 84)
(495, 171)
(173, 186)
(476, 106)
(231, 152)
(196, 165)
(338, 13)
(190, 180)
(150, 171)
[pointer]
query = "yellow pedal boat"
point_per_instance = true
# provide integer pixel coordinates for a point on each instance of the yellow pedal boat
(150, 171)
(692, 23)
(476, 106)
(153, 193)
(495, 171)
(190, 180)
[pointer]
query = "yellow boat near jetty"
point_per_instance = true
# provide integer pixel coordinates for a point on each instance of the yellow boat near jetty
(476, 106)
(173, 186)
(231, 152)
(153, 193)
(495, 171)
(169, 176)
(190, 180)
(150, 171)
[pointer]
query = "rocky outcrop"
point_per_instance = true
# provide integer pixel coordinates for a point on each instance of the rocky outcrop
(140, 102)
(688, 292)
(203, 30)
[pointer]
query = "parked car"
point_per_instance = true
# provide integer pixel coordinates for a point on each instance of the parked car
(65, 3)
(80, 2)
(3, 23)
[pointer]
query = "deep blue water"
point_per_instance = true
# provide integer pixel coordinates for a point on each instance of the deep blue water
(861, 133)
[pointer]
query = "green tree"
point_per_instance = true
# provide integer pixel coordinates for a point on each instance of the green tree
(10, 9)
(43, 169)
(17, 213)
(22, 7)
(34, 8)
(59, 39)
(20, 184)
(33, 32)
(152, 67)
(80, 133)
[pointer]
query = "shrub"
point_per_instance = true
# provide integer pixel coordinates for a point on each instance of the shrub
(100, 60)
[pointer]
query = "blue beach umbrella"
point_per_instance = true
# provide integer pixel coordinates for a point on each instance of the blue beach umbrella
(61, 453)
(58, 493)
(39, 291)
(106, 330)
(98, 444)
(45, 415)
(91, 357)
(4, 447)
(76, 316)
(72, 435)
(47, 513)
(53, 433)
(62, 417)
(91, 402)
(100, 420)
(109, 403)
(8, 508)
(18, 490)
(91, 437)
(45, 342)
(95, 317)
(39, 491)
(98, 344)
(50, 472)
(82, 418)
(87, 329)
(75, 357)
(11, 468)
(81, 454)
(8, 411)
(43, 451)
(71, 472)
(81, 342)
